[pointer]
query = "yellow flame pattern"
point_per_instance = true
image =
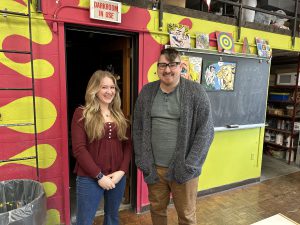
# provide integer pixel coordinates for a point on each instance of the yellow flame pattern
(47, 156)
(84, 3)
(16, 25)
(53, 217)
(50, 188)
(161, 38)
(152, 74)
(21, 111)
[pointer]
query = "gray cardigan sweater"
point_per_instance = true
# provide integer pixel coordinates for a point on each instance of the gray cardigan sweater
(195, 133)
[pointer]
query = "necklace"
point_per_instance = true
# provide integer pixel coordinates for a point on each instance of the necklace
(106, 114)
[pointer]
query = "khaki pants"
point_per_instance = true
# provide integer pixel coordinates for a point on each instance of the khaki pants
(184, 197)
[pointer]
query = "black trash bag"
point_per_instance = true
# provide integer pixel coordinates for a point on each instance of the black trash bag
(22, 202)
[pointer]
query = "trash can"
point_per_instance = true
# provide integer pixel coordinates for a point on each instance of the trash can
(22, 202)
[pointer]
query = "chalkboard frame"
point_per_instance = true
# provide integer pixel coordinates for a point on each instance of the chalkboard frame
(245, 106)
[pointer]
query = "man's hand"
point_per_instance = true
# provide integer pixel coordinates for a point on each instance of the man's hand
(116, 176)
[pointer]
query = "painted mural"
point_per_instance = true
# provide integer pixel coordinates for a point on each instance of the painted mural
(49, 74)
(16, 106)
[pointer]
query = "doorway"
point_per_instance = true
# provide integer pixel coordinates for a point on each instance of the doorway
(90, 49)
(281, 140)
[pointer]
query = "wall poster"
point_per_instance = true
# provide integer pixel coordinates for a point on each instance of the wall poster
(225, 42)
(263, 48)
(202, 41)
(191, 67)
(179, 35)
(219, 76)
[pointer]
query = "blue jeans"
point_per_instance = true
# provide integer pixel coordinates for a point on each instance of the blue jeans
(89, 195)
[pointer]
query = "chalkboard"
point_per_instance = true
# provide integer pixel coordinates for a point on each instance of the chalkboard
(246, 104)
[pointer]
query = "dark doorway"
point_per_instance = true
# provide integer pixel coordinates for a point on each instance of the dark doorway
(90, 49)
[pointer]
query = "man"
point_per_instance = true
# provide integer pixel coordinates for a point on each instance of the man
(172, 132)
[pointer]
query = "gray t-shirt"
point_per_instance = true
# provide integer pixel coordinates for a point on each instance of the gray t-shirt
(165, 115)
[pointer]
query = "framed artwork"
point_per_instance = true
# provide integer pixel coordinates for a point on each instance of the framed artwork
(191, 68)
(246, 48)
(225, 42)
(179, 35)
(202, 41)
(219, 76)
(263, 48)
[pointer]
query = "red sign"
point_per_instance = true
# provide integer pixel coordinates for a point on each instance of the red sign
(105, 10)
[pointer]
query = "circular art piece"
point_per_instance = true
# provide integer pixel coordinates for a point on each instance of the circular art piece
(225, 42)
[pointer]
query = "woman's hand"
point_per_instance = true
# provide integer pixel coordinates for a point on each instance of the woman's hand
(116, 176)
(106, 183)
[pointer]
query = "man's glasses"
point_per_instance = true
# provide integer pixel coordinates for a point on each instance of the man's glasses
(171, 65)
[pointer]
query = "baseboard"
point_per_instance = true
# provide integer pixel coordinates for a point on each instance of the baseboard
(227, 187)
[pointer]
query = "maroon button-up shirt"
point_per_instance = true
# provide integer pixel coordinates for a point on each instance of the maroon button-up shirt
(105, 155)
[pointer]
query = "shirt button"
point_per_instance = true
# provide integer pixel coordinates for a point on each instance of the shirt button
(109, 129)
(109, 137)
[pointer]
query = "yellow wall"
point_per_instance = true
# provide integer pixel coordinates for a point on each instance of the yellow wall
(234, 156)
(277, 41)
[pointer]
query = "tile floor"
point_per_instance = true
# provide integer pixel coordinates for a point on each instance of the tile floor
(276, 193)
(272, 167)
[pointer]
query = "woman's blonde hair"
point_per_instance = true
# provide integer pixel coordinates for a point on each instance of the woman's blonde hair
(94, 121)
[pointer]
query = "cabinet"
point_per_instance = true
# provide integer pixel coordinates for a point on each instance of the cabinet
(283, 117)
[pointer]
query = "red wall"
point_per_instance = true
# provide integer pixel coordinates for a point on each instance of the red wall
(53, 89)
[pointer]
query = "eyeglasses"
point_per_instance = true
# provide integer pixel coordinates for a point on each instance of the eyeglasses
(171, 65)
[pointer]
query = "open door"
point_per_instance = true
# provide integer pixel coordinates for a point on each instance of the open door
(87, 50)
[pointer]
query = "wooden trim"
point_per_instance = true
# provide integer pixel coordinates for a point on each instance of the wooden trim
(126, 78)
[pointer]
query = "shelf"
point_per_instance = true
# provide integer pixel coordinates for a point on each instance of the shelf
(283, 116)
(281, 131)
(279, 146)
(283, 102)
(283, 86)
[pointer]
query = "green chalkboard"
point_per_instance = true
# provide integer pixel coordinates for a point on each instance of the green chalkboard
(246, 103)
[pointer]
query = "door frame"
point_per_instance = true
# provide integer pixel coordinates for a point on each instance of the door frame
(130, 84)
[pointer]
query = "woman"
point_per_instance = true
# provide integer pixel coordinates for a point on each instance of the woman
(102, 148)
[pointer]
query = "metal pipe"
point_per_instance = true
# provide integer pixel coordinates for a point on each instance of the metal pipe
(240, 16)
(12, 13)
(16, 125)
(15, 89)
(39, 6)
(17, 159)
(33, 93)
(15, 51)
(295, 23)
(161, 15)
